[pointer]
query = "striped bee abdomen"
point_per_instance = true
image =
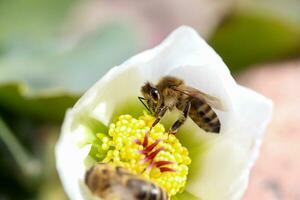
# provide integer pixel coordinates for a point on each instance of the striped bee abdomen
(144, 190)
(204, 116)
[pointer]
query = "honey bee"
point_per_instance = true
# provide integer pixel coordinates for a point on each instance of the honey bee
(116, 183)
(171, 92)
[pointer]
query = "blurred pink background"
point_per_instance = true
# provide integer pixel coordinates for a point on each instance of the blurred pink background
(277, 171)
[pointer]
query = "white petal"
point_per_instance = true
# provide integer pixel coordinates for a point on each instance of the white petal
(224, 166)
(69, 159)
(250, 105)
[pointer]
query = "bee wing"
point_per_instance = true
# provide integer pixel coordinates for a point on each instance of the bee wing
(212, 101)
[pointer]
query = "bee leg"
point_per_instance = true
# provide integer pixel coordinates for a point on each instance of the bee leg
(173, 130)
(160, 114)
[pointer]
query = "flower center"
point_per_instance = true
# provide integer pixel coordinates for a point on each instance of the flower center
(156, 155)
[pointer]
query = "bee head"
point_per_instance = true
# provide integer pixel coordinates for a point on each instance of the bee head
(153, 97)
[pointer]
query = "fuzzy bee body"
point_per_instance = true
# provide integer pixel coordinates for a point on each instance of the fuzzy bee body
(204, 116)
(116, 183)
(171, 92)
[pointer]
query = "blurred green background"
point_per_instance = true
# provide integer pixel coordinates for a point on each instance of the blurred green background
(51, 51)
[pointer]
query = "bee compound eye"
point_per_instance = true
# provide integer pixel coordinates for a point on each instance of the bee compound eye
(154, 94)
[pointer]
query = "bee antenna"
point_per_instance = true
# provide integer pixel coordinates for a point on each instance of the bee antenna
(142, 99)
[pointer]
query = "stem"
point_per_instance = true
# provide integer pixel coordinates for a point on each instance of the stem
(30, 166)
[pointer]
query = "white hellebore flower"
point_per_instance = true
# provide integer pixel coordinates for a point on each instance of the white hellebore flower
(220, 163)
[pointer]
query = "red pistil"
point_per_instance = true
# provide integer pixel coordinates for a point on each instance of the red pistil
(152, 146)
(150, 166)
(162, 162)
(166, 169)
(152, 155)
(149, 148)
(137, 142)
(150, 152)
(145, 143)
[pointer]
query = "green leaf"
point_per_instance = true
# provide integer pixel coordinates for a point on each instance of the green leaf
(26, 21)
(249, 37)
(43, 72)
(29, 167)
(74, 68)
(44, 85)
(13, 98)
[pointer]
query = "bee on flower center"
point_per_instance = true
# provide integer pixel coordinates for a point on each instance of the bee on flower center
(116, 183)
(170, 93)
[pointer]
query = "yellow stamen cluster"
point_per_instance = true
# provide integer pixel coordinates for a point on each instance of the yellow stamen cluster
(125, 146)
